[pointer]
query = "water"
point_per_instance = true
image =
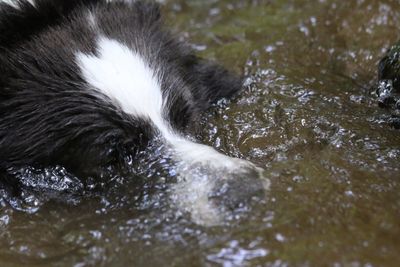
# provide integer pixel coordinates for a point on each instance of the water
(308, 115)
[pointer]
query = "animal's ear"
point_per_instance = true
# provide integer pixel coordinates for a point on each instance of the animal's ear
(219, 82)
(208, 82)
(213, 81)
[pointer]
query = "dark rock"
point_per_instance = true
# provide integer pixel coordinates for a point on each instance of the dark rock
(389, 66)
(385, 93)
(394, 121)
(388, 87)
(397, 105)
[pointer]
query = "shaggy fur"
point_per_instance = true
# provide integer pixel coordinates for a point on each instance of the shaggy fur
(47, 115)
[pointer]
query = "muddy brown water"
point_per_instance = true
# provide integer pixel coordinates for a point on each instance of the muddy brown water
(307, 115)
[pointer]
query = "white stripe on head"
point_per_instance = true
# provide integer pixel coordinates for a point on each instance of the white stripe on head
(127, 79)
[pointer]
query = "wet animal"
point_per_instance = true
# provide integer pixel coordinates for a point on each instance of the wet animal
(83, 83)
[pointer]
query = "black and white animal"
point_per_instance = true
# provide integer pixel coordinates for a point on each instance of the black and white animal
(84, 82)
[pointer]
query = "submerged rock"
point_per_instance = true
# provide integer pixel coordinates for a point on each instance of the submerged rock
(389, 66)
(388, 89)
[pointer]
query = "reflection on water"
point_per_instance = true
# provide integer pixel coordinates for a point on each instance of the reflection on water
(308, 116)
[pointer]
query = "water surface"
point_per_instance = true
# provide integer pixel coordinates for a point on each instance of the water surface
(308, 115)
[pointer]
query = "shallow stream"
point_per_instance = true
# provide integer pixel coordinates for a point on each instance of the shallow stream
(308, 115)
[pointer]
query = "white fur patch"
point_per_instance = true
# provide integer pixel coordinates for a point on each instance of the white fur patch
(127, 79)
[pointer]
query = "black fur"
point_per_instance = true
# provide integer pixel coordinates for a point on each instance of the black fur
(19, 25)
(47, 115)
